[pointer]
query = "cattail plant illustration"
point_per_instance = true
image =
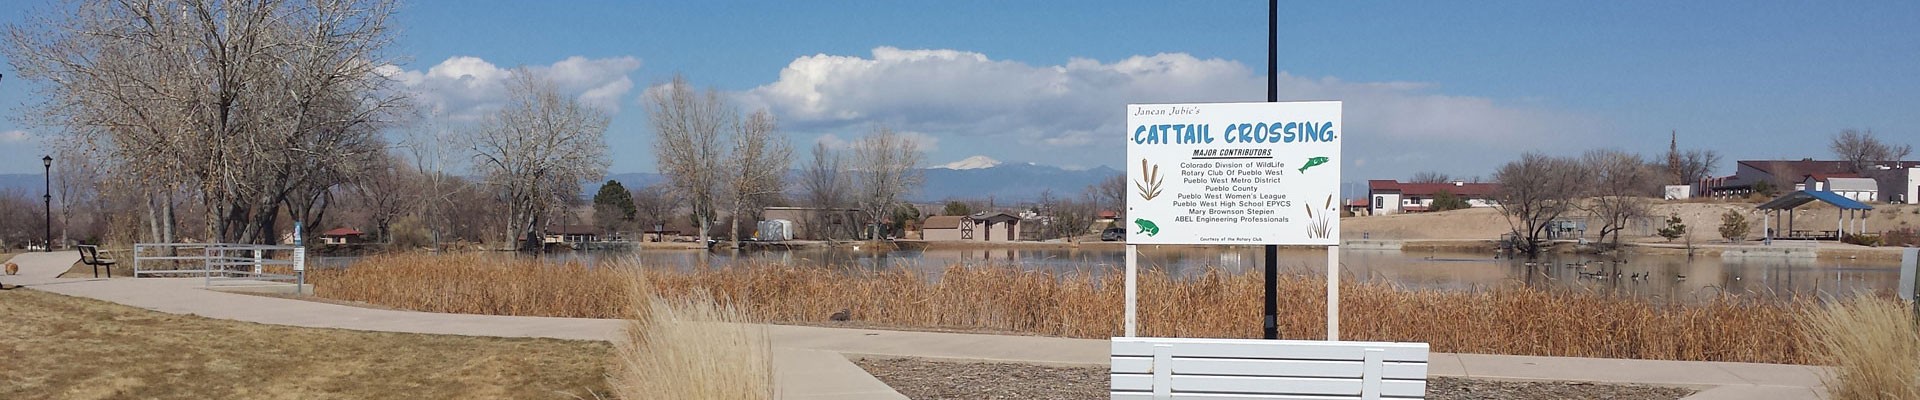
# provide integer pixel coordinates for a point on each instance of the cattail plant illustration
(1149, 185)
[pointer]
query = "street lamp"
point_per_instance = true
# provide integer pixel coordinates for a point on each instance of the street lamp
(47, 162)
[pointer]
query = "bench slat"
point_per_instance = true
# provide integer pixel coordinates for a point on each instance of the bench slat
(1227, 396)
(1266, 385)
(1293, 368)
(1279, 349)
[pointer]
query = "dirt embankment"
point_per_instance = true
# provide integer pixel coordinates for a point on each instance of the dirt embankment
(1702, 218)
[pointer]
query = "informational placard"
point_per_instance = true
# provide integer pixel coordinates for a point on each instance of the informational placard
(1234, 173)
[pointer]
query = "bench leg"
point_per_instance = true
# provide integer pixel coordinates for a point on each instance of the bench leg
(1372, 366)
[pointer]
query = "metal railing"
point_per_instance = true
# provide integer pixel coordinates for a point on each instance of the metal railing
(226, 263)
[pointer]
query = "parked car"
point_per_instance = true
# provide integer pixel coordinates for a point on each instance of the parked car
(1113, 235)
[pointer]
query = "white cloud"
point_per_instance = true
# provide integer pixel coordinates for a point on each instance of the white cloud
(925, 142)
(466, 88)
(14, 136)
(1042, 109)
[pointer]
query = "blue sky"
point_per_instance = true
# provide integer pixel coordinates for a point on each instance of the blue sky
(1452, 87)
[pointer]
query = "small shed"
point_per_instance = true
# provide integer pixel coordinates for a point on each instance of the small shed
(341, 235)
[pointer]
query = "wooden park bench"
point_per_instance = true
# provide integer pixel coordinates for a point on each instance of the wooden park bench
(1173, 368)
(90, 255)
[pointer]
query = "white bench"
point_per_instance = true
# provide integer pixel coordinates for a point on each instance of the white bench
(1172, 368)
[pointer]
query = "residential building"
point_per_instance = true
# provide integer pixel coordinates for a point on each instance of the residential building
(981, 227)
(574, 234)
(341, 235)
(1393, 197)
(1773, 176)
(1898, 185)
(1890, 180)
(1846, 185)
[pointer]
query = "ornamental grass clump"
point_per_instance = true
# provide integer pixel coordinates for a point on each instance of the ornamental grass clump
(1870, 343)
(690, 348)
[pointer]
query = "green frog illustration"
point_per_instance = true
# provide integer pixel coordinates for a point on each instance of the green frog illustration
(1146, 226)
(1311, 162)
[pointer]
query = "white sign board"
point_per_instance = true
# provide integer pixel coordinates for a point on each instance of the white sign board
(1234, 173)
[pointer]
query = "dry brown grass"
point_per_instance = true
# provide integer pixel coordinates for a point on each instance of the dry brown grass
(690, 348)
(1871, 343)
(60, 347)
(1498, 321)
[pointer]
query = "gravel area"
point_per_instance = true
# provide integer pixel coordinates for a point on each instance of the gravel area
(929, 380)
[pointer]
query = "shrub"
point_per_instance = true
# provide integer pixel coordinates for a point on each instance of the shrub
(1674, 228)
(1863, 239)
(1446, 201)
(1871, 344)
(1734, 226)
(1900, 237)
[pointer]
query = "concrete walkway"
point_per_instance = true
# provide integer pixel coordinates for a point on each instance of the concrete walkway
(812, 362)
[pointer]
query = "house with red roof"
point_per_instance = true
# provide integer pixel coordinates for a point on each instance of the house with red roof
(341, 235)
(1387, 196)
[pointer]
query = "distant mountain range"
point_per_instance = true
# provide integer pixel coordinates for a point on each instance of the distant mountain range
(974, 179)
(31, 184)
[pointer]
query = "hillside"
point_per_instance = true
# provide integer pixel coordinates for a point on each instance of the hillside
(1702, 220)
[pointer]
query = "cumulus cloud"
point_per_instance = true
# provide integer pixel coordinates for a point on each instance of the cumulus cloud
(13, 136)
(467, 88)
(960, 94)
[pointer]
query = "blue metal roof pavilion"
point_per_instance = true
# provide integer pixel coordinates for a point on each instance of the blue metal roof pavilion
(1853, 214)
(1802, 197)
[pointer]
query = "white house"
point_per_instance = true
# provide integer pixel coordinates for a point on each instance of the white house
(1393, 197)
(1846, 185)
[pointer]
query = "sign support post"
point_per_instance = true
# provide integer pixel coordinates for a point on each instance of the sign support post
(1333, 293)
(1133, 287)
(1271, 317)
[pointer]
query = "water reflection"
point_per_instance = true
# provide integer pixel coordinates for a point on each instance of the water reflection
(1662, 278)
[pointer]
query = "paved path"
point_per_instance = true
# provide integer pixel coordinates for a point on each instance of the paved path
(811, 362)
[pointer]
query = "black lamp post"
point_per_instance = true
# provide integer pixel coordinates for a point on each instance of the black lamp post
(47, 162)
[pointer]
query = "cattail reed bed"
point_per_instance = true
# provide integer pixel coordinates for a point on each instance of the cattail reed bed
(1518, 321)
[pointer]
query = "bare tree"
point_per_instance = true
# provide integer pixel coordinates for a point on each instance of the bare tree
(1863, 150)
(426, 146)
(763, 156)
(1534, 191)
(824, 185)
(688, 127)
(888, 168)
(1619, 183)
(75, 185)
(1067, 217)
(242, 106)
(1430, 177)
(1695, 165)
(20, 219)
(653, 207)
(537, 150)
(390, 189)
(1109, 194)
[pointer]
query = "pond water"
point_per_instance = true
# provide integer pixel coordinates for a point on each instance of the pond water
(1662, 278)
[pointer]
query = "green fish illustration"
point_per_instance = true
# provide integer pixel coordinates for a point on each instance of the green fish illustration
(1311, 162)
(1146, 226)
